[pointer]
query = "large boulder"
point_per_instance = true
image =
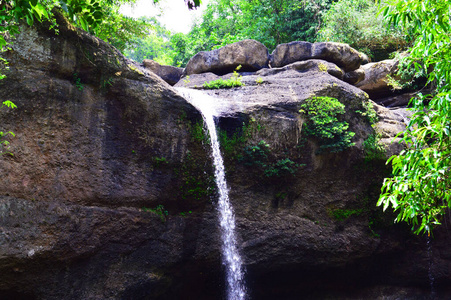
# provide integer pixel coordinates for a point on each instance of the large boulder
(312, 65)
(250, 54)
(401, 100)
(342, 55)
(288, 53)
(169, 74)
(376, 82)
(355, 76)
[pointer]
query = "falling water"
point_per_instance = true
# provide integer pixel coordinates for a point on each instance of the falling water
(231, 258)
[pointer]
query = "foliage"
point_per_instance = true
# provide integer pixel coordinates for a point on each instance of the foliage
(121, 31)
(77, 82)
(4, 144)
(419, 190)
(234, 81)
(185, 213)
(373, 149)
(256, 155)
(260, 156)
(196, 183)
(153, 45)
(271, 22)
(340, 214)
(159, 161)
(368, 112)
(357, 23)
(323, 122)
(159, 210)
(281, 168)
(407, 77)
(198, 133)
(232, 145)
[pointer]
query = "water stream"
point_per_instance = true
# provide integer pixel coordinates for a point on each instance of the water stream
(230, 255)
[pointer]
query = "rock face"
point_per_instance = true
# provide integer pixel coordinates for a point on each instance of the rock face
(169, 74)
(104, 148)
(341, 54)
(376, 81)
(250, 54)
(97, 139)
(355, 76)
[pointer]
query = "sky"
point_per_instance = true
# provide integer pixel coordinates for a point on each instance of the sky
(173, 14)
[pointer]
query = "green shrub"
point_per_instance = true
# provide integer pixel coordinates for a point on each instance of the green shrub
(159, 210)
(256, 155)
(322, 114)
(231, 146)
(234, 81)
(282, 168)
(260, 157)
(373, 149)
(368, 112)
(343, 214)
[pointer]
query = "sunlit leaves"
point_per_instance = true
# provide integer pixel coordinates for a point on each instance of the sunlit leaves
(357, 23)
(421, 181)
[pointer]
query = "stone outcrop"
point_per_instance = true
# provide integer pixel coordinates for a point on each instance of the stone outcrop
(250, 54)
(401, 100)
(375, 82)
(342, 55)
(169, 74)
(355, 76)
(104, 148)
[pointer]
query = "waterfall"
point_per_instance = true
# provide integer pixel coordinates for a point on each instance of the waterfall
(230, 256)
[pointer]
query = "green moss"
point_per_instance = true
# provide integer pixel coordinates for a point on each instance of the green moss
(196, 183)
(322, 67)
(234, 81)
(373, 149)
(343, 214)
(135, 69)
(367, 111)
(324, 122)
(159, 210)
(260, 157)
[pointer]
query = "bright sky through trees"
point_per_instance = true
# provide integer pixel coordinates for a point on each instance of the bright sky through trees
(173, 14)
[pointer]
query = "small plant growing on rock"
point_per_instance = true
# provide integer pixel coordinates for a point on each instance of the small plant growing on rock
(77, 82)
(234, 81)
(260, 156)
(373, 149)
(368, 112)
(4, 144)
(343, 214)
(159, 210)
(323, 122)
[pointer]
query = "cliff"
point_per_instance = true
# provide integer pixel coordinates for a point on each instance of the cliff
(109, 192)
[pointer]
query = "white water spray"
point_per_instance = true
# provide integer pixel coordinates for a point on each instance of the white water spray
(231, 258)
